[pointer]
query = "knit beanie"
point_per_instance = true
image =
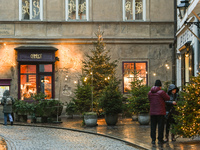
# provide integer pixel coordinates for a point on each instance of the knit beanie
(158, 83)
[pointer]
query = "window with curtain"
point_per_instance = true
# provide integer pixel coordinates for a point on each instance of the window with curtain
(134, 10)
(30, 9)
(76, 9)
(129, 70)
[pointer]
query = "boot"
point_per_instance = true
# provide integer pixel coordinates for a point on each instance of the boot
(173, 137)
(166, 138)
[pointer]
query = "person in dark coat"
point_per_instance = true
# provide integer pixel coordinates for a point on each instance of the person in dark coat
(170, 110)
(157, 98)
(7, 101)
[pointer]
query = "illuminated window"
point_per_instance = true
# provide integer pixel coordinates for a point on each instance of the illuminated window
(30, 9)
(77, 10)
(129, 69)
(4, 85)
(35, 79)
(27, 81)
(134, 10)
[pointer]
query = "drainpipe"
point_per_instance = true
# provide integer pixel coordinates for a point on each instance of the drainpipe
(174, 45)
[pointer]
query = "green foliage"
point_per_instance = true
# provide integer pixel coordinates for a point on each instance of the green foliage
(188, 108)
(48, 107)
(38, 108)
(138, 101)
(70, 107)
(39, 96)
(90, 113)
(82, 99)
(111, 98)
(23, 107)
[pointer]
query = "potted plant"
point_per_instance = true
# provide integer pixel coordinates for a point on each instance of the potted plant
(111, 101)
(84, 104)
(22, 109)
(139, 100)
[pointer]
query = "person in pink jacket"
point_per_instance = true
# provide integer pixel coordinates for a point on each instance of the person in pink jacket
(157, 98)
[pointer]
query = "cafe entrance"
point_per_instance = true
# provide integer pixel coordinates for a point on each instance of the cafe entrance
(36, 71)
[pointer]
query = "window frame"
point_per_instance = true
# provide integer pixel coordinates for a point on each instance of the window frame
(77, 19)
(135, 62)
(41, 12)
(38, 74)
(143, 15)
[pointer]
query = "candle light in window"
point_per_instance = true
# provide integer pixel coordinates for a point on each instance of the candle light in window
(154, 74)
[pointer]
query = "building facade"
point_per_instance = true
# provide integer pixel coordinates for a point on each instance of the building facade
(43, 42)
(188, 58)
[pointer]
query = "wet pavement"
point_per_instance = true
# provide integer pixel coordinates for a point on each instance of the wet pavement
(128, 133)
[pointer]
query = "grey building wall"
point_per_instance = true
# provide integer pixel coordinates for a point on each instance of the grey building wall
(128, 40)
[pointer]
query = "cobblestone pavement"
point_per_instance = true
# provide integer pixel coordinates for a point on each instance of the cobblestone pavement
(40, 138)
(125, 132)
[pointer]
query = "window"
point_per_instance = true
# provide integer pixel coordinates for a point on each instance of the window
(4, 85)
(134, 10)
(30, 9)
(77, 10)
(129, 69)
(33, 80)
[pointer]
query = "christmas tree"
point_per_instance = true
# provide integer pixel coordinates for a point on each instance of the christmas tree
(188, 108)
(97, 68)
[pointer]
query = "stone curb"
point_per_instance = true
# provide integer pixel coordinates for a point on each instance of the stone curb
(76, 130)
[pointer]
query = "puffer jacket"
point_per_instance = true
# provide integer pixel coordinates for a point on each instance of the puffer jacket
(173, 97)
(157, 98)
(7, 108)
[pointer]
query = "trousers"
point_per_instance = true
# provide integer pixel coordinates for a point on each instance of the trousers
(160, 121)
(5, 118)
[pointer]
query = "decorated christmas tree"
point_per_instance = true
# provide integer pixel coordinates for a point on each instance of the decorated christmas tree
(97, 67)
(188, 110)
(97, 70)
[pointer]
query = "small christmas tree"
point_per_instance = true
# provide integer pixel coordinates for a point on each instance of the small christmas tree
(188, 108)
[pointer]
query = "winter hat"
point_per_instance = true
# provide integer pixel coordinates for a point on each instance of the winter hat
(158, 83)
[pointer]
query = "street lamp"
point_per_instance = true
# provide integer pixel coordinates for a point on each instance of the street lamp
(182, 7)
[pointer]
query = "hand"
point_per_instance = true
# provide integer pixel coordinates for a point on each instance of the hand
(174, 102)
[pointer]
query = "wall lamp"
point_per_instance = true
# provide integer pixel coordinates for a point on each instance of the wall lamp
(178, 56)
(183, 7)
